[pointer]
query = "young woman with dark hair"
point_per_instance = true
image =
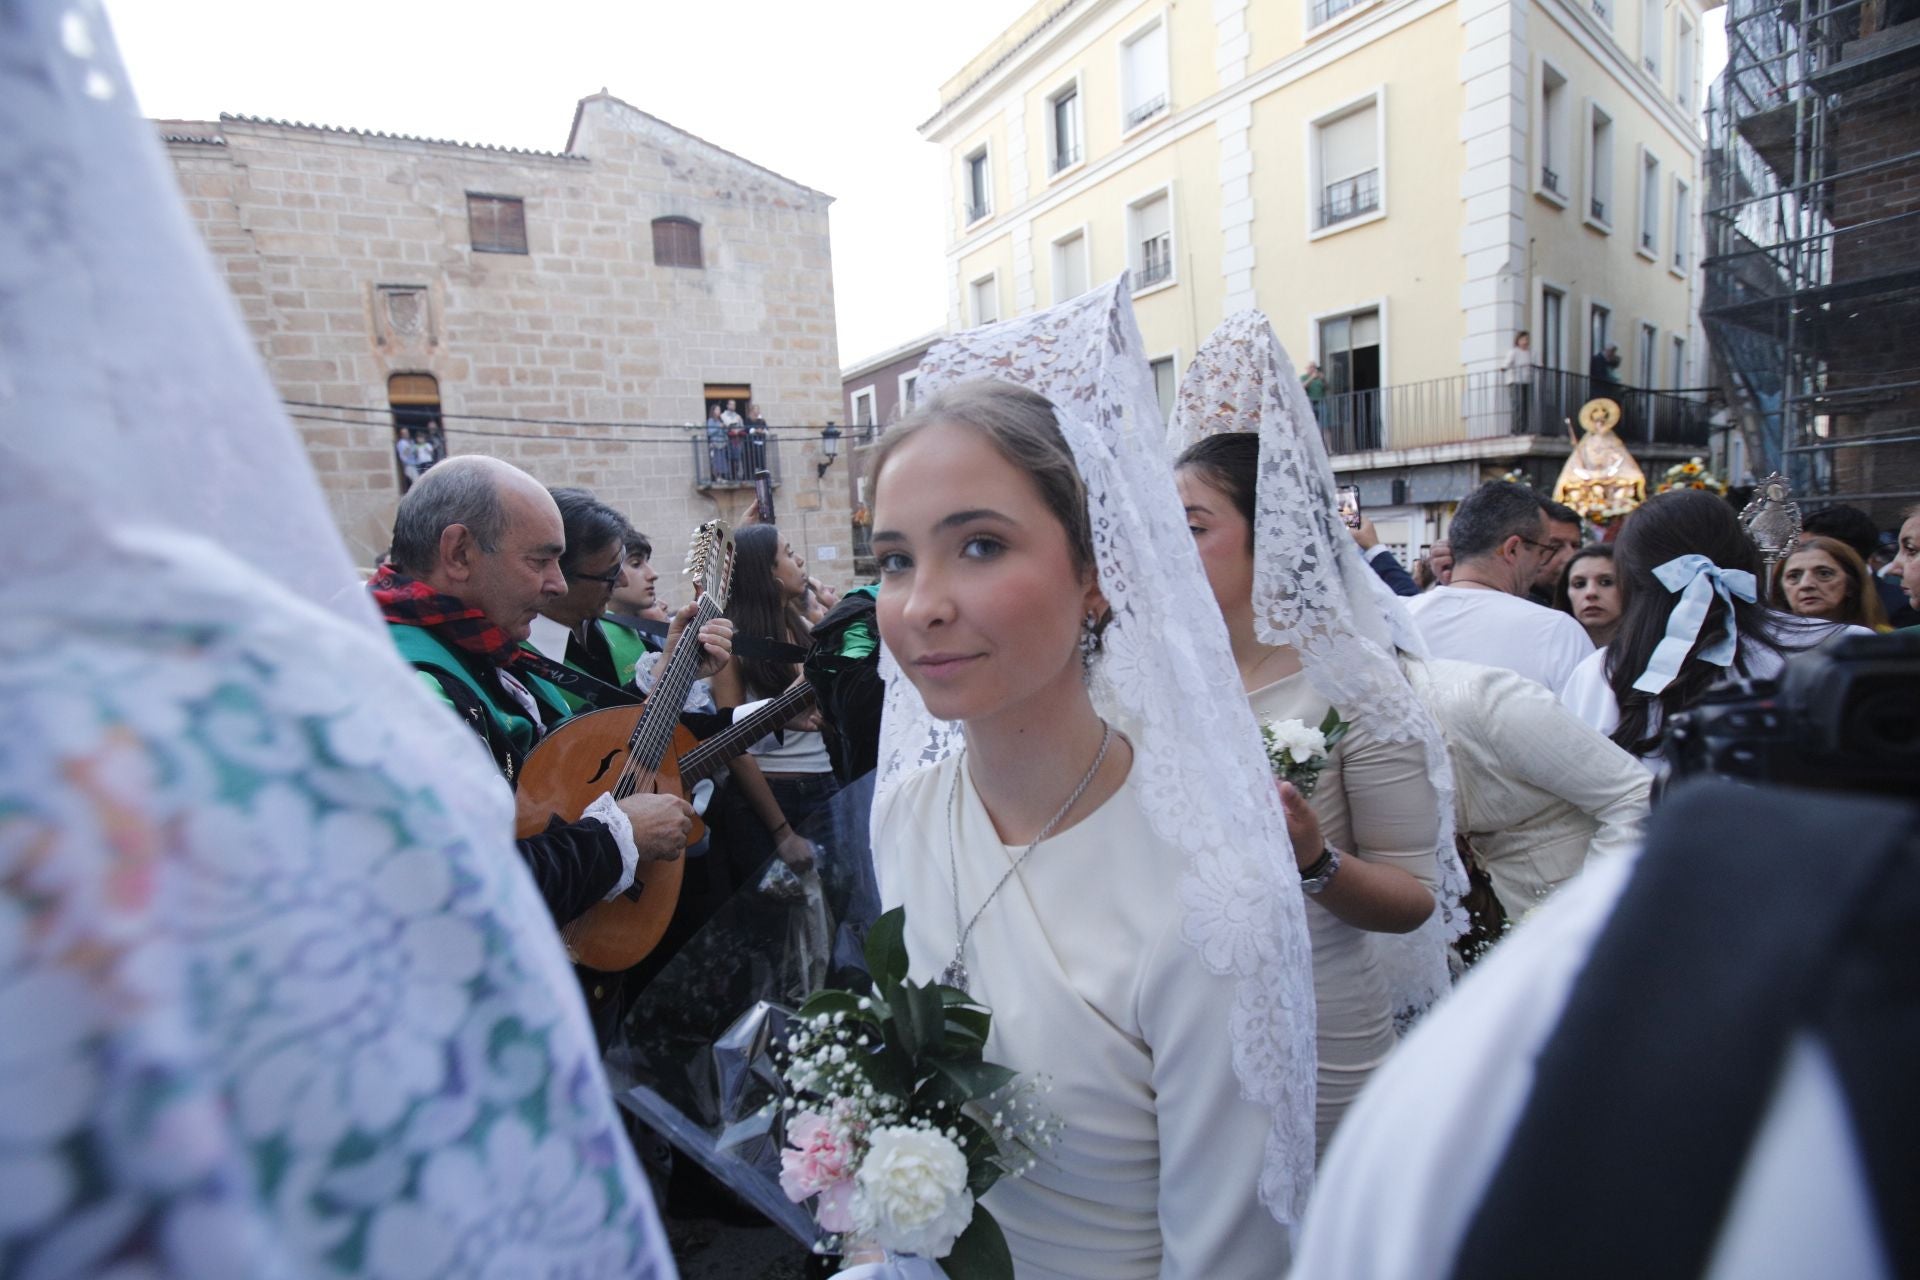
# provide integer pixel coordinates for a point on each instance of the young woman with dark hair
(782, 780)
(1589, 589)
(1690, 576)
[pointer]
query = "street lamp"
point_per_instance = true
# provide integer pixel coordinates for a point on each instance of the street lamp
(829, 445)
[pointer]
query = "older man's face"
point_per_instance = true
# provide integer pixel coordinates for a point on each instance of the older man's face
(519, 578)
(1564, 539)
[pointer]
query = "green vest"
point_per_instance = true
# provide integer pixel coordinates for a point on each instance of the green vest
(625, 646)
(424, 649)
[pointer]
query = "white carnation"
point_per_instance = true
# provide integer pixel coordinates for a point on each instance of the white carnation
(911, 1195)
(1302, 744)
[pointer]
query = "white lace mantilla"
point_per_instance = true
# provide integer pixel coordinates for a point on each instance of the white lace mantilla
(1313, 590)
(1198, 764)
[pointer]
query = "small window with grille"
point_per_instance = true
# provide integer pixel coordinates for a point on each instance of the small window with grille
(496, 224)
(676, 243)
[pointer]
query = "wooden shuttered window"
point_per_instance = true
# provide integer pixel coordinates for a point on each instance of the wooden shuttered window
(497, 224)
(676, 243)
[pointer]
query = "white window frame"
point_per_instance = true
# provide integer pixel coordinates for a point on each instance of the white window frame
(1173, 355)
(1071, 84)
(1586, 331)
(1652, 37)
(1680, 260)
(1647, 187)
(1085, 232)
(1377, 98)
(1686, 52)
(1542, 358)
(873, 406)
(1163, 20)
(992, 277)
(1647, 342)
(1677, 360)
(1309, 28)
(1173, 238)
(1594, 172)
(985, 153)
(904, 393)
(1378, 304)
(1545, 133)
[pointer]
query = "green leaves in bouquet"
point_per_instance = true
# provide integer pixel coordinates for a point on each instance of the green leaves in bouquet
(887, 950)
(981, 1252)
(1333, 728)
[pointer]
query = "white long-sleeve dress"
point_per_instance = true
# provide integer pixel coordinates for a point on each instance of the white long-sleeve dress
(1081, 960)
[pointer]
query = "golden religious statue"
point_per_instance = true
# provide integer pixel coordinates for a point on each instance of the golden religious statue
(1601, 480)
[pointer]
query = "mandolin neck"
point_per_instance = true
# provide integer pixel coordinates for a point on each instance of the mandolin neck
(711, 755)
(669, 695)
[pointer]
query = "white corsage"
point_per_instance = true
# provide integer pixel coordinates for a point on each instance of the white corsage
(1297, 753)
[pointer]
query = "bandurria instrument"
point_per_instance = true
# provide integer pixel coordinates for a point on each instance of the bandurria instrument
(627, 750)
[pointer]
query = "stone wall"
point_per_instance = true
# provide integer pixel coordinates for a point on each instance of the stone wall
(350, 257)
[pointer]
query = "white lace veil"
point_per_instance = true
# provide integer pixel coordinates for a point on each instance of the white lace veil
(1314, 591)
(273, 967)
(1163, 676)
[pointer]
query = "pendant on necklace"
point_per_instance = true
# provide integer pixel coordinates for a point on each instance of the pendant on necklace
(954, 975)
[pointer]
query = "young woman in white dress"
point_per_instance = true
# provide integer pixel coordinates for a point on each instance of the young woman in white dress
(1057, 843)
(1310, 632)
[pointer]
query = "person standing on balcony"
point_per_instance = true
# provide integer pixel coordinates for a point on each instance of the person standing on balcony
(756, 440)
(1500, 540)
(1600, 372)
(1519, 371)
(1315, 384)
(717, 469)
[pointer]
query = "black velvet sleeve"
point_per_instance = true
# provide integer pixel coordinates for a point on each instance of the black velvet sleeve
(1393, 575)
(575, 865)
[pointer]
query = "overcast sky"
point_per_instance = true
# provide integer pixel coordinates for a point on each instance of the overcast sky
(827, 93)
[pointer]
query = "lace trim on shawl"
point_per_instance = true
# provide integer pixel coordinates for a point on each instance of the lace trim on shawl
(1313, 590)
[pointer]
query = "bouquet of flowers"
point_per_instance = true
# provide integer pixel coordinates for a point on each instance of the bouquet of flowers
(1297, 754)
(1691, 474)
(897, 1123)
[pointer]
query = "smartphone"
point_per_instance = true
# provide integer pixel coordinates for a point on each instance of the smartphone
(763, 493)
(1348, 503)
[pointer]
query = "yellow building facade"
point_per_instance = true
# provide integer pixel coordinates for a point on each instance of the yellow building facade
(1401, 185)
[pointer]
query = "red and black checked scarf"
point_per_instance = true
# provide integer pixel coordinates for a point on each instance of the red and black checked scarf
(409, 602)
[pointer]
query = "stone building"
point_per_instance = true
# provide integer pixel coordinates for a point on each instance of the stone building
(573, 312)
(879, 392)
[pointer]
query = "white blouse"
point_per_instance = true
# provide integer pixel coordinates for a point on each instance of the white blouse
(1536, 791)
(1081, 960)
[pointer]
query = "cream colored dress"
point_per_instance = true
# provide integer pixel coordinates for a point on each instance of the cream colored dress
(1081, 961)
(1374, 801)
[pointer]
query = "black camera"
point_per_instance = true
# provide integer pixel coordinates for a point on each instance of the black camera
(1845, 716)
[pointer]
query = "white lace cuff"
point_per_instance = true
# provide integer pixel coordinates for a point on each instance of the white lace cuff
(610, 813)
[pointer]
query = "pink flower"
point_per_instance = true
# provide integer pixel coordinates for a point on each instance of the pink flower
(818, 1160)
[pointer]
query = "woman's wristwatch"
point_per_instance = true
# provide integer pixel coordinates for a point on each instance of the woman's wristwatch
(1321, 873)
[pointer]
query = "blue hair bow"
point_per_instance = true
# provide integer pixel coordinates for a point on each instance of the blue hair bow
(1697, 580)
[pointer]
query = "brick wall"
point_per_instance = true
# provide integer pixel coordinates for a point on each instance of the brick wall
(314, 229)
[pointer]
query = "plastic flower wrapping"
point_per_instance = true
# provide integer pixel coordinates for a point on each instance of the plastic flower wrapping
(1297, 753)
(897, 1123)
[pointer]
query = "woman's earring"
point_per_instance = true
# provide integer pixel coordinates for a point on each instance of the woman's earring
(1089, 641)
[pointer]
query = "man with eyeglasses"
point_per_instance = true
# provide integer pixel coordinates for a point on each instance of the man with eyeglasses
(480, 552)
(1563, 534)
(1501, 543)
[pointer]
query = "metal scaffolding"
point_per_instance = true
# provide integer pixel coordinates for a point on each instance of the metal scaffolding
(1812, 291)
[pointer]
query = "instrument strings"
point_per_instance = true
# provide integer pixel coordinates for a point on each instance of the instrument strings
(654, 734)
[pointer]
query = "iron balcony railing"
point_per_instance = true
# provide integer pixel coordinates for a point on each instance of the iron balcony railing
(1646, 241)
(1350, 197)
(975, 212)
(724, 460)
(1327, 10)
(1550, 180)
(1602, 12)
(1146, 110)
(1485, 406)
(1065, 158)
(1599, 208)
(1156, 261)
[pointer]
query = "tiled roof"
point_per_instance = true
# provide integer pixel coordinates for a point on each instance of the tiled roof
(391, 137)
(204, 132)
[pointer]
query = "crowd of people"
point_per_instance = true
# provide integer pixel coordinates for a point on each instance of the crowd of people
(286, 984)
(736, 446)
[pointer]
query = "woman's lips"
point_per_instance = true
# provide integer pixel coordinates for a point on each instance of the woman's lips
(939, 666)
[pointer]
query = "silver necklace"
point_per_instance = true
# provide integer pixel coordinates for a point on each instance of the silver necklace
(955, 974)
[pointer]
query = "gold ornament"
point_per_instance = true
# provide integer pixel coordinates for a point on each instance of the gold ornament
(1600, 479)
